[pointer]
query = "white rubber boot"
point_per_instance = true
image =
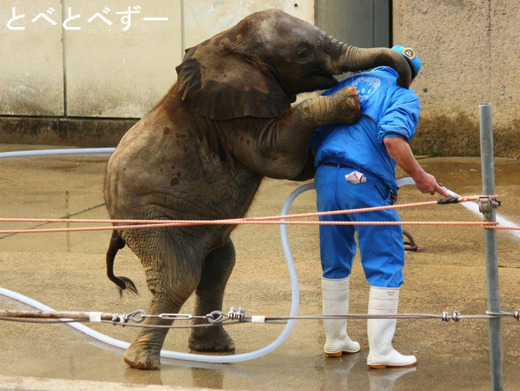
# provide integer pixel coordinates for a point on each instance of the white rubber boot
(335, 298)
(381, 331)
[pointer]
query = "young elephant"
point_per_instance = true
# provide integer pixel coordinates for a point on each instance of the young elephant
(202, 152)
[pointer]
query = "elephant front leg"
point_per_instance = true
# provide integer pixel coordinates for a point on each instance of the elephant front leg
(280, 148)
(341, 107)
(216, 270)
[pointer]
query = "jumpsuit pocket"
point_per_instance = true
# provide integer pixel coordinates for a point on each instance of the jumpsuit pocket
(388, 195)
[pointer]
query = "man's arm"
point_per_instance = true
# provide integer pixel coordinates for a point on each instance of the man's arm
(399, 149)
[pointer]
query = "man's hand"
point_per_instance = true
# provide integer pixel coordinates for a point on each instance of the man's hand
(426, 183)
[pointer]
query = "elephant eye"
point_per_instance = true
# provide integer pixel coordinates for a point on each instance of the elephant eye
(303, 53)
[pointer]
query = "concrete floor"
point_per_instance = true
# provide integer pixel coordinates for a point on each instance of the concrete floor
(66, 271)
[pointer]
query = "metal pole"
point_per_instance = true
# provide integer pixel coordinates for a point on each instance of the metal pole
(490, 239)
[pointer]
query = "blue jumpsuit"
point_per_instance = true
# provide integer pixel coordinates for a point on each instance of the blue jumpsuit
(388, 110)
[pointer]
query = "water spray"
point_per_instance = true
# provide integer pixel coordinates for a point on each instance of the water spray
(473, 207)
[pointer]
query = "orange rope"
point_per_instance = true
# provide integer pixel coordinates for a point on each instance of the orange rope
(230, 221)
(504, 228)
(136, 224)
(174, 223)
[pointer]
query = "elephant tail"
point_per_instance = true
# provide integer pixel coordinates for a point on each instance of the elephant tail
(123, 283)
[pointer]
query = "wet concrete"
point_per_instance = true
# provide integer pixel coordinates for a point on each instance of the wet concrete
(67, 272)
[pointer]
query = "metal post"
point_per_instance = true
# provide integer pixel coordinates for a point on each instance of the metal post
(490, 238)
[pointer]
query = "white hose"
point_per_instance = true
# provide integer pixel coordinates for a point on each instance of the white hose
(198, 357)
(405, 181)
(409, 181)
(75, 151)
(78, 326)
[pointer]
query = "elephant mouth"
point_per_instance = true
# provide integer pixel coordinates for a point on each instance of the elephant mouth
(314, 82)
(325, 81)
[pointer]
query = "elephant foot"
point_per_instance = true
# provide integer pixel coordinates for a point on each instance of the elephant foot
(211, 339)
(142, 357)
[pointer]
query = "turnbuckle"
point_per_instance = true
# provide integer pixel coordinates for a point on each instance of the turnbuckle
(175, 316)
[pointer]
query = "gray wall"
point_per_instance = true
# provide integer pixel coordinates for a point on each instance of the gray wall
(60, 78)
(364, 23)
(102, 70)
(470, 52)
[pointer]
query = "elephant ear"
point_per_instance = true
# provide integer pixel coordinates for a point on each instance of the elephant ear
(221, 83)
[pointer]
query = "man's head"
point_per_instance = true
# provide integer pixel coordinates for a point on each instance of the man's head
(412, 58)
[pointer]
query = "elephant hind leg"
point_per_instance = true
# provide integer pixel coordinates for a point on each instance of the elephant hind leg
(172, 272)
(216, 271)
(144, 352)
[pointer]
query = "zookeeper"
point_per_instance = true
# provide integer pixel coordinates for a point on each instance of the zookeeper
(355, 168)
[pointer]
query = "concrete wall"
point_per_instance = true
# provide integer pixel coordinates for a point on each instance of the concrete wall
(83, 78)
(115, 73)
(470, 52)
(94, 68)
(364, 23)
(109, 77)
(31, 66)
(205, 18)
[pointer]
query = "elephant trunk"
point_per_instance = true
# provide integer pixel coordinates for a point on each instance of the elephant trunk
(348, 58)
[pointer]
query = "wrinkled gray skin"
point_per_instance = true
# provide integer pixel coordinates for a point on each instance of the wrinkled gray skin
(202, 152)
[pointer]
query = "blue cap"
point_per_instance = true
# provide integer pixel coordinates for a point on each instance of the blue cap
(411, 56)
